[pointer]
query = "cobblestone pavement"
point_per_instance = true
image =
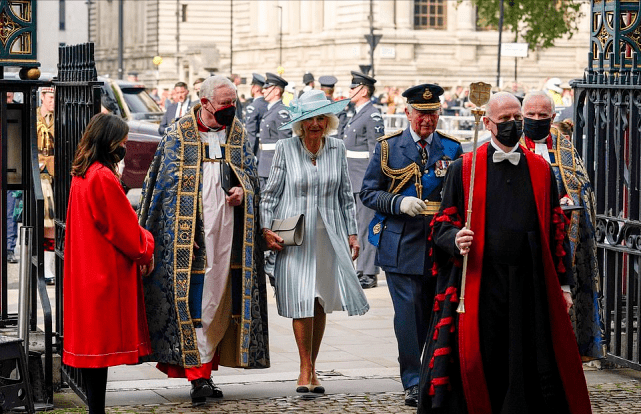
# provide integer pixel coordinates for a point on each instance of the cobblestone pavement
(606, 398)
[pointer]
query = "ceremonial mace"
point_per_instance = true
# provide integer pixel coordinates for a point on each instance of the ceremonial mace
(479, 96)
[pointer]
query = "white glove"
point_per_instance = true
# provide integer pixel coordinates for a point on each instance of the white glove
(412, 206)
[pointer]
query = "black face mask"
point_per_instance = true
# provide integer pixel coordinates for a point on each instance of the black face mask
(226, 115)
(536, 129)
(119, 153)
(509, 132)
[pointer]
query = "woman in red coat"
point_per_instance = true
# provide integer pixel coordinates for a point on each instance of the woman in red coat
(106, 251)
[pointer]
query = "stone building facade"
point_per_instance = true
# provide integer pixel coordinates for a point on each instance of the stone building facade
(422, 41)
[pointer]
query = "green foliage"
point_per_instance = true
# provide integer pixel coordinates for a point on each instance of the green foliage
(537, 22)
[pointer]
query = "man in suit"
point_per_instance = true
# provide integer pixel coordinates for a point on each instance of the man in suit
(178, 109)
(403, 184)
(255, 111)
(275, 116)
(360, 135)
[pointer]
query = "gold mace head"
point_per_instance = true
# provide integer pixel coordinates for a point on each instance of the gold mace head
(480, 93)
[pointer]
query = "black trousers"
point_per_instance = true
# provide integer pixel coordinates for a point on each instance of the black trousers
(95, 380)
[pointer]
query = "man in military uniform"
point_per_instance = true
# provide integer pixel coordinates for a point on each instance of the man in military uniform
(360, 135)
(403, 184)
(276, 115)
(255, 111)
(327, 85)
(45, 131)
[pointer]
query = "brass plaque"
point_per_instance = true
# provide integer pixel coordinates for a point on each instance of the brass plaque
(480, 93)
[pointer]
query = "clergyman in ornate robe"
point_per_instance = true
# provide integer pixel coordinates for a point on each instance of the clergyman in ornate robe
(206, 298)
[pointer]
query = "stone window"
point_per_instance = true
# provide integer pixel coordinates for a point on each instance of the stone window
(430, 14)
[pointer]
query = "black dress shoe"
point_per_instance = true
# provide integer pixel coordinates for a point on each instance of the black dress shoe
(411, 396)
(200, 390)
(216, 392)
(368, 281)
(11, 258)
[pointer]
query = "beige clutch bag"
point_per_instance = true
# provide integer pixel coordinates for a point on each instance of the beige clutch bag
(291, 229)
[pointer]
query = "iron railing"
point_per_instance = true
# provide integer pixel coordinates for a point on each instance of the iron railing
(77, 100)
(608, 134)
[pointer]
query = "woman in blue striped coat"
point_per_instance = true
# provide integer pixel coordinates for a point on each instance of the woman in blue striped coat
(309, 176)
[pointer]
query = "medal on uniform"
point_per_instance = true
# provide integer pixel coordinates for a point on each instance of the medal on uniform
(440, 168)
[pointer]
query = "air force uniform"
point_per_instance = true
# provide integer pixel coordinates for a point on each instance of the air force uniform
(276, 115)
(402, 167)
(359, 136)
(254, 114)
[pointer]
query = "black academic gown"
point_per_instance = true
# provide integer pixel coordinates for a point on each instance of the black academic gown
(515, 341)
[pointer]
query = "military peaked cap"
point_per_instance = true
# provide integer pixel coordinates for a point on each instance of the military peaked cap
(424, 97)
(327, 81)
(272, 79)
(258, 79)
(359, 78)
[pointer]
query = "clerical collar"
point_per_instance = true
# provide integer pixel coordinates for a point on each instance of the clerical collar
(416, 138)
(269, 106)
(204, 128)
(496, 147)
(542, 140)
(361, 106)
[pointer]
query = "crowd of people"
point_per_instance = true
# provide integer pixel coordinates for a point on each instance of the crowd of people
(185, 277)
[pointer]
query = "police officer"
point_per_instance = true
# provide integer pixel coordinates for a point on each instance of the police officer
(255, 111)
(276, 115)
(360, 135)
(308, 81)
(403, 184)
(327, 85)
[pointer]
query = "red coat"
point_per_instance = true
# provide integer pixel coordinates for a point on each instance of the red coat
(104, 312)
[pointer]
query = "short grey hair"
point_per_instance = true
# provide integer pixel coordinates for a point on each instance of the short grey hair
(535, 94)
(332, 125)
(212, 83)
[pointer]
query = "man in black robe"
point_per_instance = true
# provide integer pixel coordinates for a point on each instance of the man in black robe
(513, 349)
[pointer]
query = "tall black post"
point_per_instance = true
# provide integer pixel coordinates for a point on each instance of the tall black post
(231, 37)
(120, 39)
(371, 33)
(280, 36)
(498, 61)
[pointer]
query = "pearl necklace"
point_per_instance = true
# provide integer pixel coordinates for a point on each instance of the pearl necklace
(312, 155)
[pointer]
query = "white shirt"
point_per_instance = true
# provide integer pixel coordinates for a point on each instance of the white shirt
(181, 108)
(361, 106)
(416, 138)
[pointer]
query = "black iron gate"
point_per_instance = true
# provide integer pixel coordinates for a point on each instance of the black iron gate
(608, 134)
(77, 100)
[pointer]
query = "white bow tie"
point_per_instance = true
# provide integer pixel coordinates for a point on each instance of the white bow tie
(512, 157)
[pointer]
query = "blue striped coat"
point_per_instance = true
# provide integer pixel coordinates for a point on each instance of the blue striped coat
(296, 186)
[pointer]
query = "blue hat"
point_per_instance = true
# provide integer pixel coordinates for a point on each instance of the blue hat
(271, 79)
(359, 78)
(258, 79)
(327, 81)
(424, 97)
(307, 78)
(311, 104)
